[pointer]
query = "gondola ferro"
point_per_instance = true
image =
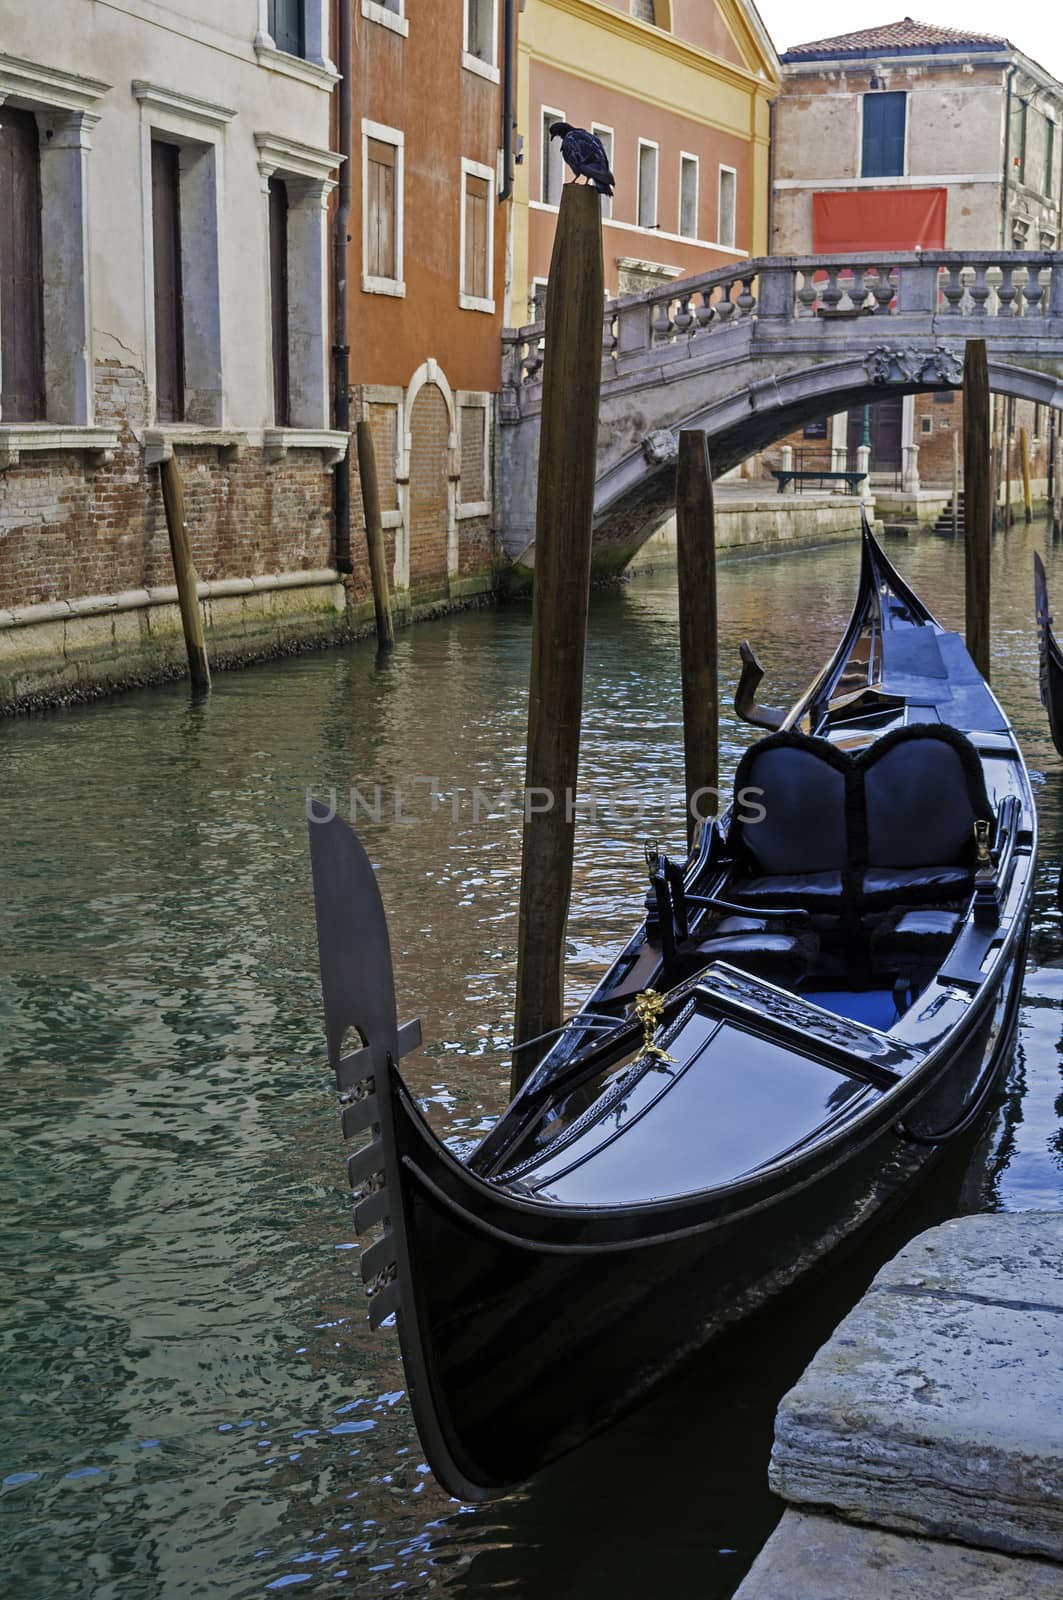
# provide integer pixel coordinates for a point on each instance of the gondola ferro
(835, 977)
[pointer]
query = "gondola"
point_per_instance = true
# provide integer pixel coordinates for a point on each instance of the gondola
(813, 1006)
(1051, 656)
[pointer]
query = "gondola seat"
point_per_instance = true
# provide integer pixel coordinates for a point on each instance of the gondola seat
(748, 942)
(919, 935)
(817, 829)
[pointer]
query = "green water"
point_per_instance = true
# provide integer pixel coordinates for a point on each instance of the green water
(192, 1403)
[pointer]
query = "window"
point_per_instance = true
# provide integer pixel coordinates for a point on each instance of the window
(287, 26)
(606, 136)
(926, 423)
(553, 168)
(647, 201)
(389, 13)
(688, 196)
(382, 210)
(644, 10)
(480, 52)
(474, 495)
(537, 300)
(1050, 155)
(477, 237)
(166, 243)
(725, 226)
(21, 280)
(883, 135)
(278, 294)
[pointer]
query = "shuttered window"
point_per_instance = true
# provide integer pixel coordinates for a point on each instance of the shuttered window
(647, 185)
(480, 30)
(725, 228)
(688, 196)
(380, 209)
(278, 288)
(644, 10)
(1050, 155)
(21, 284)
(606, 137)
(475, 271)
(883, 147)
(286, 26)
(166, 232)
(553, 167)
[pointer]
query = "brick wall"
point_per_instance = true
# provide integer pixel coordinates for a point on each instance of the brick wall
(429, 427)
(68, 530)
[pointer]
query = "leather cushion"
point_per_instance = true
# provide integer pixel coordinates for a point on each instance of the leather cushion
(802, 795)
(802, 891)
(926, 932)
(785, 956)
(919, 803)
(907, 886)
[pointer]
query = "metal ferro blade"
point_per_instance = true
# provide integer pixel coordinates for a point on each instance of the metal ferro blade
(357, 980)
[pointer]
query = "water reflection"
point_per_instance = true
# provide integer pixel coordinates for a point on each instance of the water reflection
(193, 1402)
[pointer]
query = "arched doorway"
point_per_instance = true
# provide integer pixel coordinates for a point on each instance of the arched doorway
(429, 439)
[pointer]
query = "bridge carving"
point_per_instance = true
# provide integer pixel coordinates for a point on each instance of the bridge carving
(751, 352)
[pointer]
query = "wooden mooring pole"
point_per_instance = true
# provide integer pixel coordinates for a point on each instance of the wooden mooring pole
(173, 496)
(955, 483)
(977, 501)
(696, 578)
(374, 537)
(1024, 461)
(572, 370)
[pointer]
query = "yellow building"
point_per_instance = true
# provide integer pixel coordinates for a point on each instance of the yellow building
(679, 93)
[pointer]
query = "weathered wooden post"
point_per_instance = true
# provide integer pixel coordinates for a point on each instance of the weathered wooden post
(374, 536)
(1009, 447)
(955, 482)
(173, 497)
(572, 369)
(977, 501)
(1024, 460)
(696, 577)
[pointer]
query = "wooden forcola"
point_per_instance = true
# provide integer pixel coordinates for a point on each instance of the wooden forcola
(568, 439)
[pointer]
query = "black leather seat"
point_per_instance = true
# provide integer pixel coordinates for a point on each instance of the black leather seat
(908, 935)
(788, 829)
(749, 943)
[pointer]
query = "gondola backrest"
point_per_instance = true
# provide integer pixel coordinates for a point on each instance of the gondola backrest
(800, 785)
(923, 792)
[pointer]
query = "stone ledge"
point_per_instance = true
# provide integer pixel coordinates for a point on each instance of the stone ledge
(819, 1558)
(98, 444)
(99, 605)
(935, 1405)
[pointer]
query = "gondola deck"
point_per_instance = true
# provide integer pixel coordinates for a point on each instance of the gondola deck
(672, 1163)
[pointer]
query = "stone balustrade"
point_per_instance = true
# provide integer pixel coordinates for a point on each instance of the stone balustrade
(784, 297)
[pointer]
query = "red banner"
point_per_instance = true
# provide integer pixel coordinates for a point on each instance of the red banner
(854, 220)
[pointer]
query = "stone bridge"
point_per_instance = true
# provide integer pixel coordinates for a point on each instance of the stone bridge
(751, 352)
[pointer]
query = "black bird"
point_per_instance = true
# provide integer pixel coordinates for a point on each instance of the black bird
(585, 153)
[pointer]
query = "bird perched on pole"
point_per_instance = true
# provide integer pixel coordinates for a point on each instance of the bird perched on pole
(585, 153)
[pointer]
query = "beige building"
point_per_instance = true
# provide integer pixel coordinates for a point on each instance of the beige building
(911, 135)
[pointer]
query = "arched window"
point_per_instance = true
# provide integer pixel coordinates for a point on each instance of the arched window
(658, 13)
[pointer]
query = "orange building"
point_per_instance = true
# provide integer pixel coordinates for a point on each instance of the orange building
(426, 281)
(679, 92)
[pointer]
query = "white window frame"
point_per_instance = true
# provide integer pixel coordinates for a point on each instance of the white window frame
(648, 227)
(473, 63)
(397, 21)
(315, 67)
(555, 116)
(902, 176)
(685, 156)
(536, 283)
(471, 302)
(475, 400)
(371, 284)
(726, 244)
(599, 128)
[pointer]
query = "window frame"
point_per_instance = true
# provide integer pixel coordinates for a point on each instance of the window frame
(654, 226)
(371, 284)
(545, 149)
(33, 226)
(598, 128)
(470, 302)
(490, 70)
(475, 400)
(536, 283)
(878, 94)
(686, 156)
(397, 21)
(1049, 155)
(726, 244)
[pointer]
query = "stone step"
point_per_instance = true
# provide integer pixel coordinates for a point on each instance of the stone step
(937, 1405)
(811, 1557)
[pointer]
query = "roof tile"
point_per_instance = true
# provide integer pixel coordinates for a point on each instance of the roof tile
(895, 37)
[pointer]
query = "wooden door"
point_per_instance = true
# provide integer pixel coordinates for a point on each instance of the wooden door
(169, 330)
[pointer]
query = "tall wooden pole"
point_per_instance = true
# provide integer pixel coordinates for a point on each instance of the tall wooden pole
(1024, 462)
(572, 373)
(374, 537)
(696, 576)
(955, 483)
(1009, 450)
(173, 497)
(977, 500)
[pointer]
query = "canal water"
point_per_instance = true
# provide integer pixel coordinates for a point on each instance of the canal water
(192, 1403)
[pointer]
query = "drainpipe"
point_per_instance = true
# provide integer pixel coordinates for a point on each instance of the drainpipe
(341, 350)
(509, 115)
(1007, 159)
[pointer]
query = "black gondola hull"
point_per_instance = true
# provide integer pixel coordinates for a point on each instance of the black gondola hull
(1051, 657)
(525, 1330)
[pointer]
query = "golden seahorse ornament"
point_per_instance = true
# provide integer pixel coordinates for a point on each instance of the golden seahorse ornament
(649, 1008)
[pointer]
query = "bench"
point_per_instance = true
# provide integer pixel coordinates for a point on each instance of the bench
(852, 479)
